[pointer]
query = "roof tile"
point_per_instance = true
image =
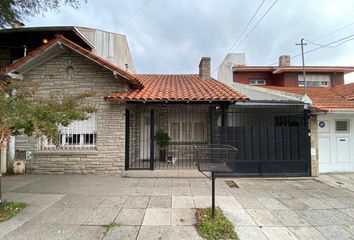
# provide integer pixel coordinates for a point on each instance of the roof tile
(179, 87)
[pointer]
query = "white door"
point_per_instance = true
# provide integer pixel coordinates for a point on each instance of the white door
(335, 143)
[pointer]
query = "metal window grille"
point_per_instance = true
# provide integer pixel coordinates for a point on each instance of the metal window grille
(342, 125)
(78, 135)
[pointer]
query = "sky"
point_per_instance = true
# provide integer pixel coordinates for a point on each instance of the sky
(167, 36)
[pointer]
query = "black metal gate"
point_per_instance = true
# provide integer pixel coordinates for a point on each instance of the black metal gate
(272, 139)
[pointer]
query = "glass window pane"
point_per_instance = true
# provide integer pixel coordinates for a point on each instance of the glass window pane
(199, 131)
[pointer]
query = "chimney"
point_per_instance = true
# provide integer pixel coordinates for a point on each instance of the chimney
(284, 61)
(204, 68)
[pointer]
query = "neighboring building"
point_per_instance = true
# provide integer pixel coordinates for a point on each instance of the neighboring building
(130, 109)
(15, 43)
(332, 111)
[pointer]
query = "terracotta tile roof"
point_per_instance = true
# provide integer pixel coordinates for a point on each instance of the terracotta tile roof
(322, 97)
(346, 90)
(181, 87)
(60, 39)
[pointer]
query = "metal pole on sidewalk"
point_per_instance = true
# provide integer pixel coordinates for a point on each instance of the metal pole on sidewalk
(213, 195)
(303, 64)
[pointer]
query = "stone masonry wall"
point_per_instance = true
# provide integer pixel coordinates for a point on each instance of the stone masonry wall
(314, 145)
(67, 74)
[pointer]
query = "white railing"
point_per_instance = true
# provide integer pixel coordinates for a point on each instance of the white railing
(77, 136)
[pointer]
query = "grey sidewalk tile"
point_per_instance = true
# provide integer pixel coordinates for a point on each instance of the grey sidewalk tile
(335, 232)
(185, 233)
(130, 216)
(314, 203)
(180, 183)
(80, 201)
(114, 201)
(39, 231)
(157, 216)
(154, 233)
(289, 218)
(102, 216)
(50, 215)
(228, 203)
(75, 216)
(183, 216)
(335, 203)
(314, 217)
(250, 233)
(122, 233)
(143, 191)
(89, 233)
(202, 201)
(241, 193)
(272, 204)
(157, 191)
(278, 233)
(160, 202)
(338, 217)
(181, 191)
(264, 218)
(250, 203)
(240, 217)
(308, 233)
(279, 193)
(348, 211)
(182, 202)
(293, 204)
(137, 202)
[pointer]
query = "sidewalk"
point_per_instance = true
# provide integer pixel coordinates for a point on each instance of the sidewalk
(81, 207)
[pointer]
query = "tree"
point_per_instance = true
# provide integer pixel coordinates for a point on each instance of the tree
(19, 10)
(24, 113)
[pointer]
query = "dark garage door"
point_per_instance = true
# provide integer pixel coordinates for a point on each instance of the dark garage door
(273, 140)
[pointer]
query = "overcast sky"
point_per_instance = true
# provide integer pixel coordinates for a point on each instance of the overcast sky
(168, 36)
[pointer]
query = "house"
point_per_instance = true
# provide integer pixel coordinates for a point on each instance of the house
(130, 109)
(330, 101)
(15, 43)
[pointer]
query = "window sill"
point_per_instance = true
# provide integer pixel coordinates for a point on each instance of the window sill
(67, 152)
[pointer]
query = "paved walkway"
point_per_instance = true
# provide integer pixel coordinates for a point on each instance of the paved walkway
(80, 207)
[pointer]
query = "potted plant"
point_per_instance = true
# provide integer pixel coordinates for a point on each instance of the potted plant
(162, 140)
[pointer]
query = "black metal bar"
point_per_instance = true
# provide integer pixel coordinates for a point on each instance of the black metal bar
(308, 140)
(213, 195)
(152, 139)
(127, 138)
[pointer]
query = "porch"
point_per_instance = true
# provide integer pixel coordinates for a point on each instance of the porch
(181, 126)
(272, 138)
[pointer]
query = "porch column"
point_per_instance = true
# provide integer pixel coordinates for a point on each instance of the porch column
(224, 108)
(152, 140)
(127, 138)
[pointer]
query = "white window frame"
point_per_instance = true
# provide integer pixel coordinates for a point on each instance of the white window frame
(178, 118)
(257, 82)
(80, 129)
(323, 80)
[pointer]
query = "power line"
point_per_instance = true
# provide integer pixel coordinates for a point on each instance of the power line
(249, 22)
(345, 39)
(260, 20)
(322, 37)
(133, 15)
(246, 27)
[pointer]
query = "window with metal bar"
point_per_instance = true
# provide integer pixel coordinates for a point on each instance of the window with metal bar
(78, 135)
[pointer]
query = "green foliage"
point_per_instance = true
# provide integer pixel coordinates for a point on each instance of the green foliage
(162, 139)
(214, 229)
(26, 113)
(113, 225)
(19, 10)
(10, 209)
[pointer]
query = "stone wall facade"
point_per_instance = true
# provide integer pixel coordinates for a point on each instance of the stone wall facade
(69, 74)
(314, 146)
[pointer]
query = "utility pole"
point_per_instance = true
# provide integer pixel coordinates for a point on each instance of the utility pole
(303, 64)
